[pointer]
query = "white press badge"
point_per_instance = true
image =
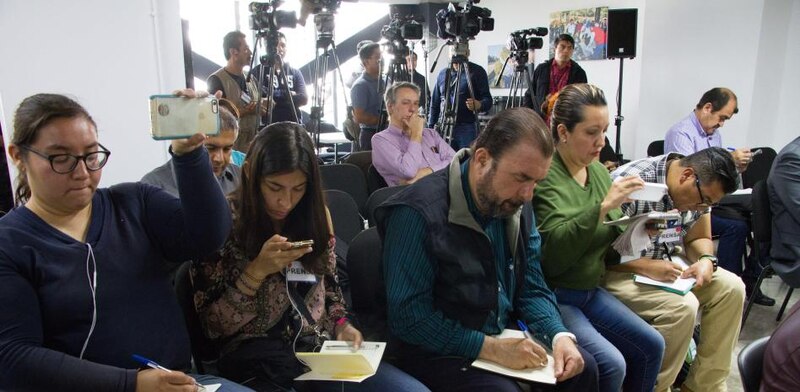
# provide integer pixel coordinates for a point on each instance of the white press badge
(297, 273)
(672, 233)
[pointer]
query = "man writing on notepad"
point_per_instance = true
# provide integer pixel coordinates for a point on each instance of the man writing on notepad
(461, 262)
(694, 184)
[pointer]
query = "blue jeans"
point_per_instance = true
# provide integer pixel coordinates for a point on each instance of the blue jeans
(732, 244)
(227, 385)
(463, 135)
(624, 346)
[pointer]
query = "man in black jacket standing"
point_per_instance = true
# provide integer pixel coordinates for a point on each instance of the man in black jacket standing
(553, 75)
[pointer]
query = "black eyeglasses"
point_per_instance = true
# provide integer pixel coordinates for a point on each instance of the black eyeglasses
(703, 199)
(66, 163)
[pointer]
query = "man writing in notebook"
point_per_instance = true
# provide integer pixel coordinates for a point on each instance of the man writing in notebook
(461, 262)
(694, 183)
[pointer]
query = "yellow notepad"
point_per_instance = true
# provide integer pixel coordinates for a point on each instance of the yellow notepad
(337, 361)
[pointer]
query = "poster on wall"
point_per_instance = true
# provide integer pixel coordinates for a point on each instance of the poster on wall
(588, 26)
(497, 57)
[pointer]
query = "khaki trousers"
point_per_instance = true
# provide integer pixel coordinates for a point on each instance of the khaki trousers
(720, 303)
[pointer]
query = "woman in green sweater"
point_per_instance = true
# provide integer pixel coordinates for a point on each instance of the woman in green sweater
(571, 205)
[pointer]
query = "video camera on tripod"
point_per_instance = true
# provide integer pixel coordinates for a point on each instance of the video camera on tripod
(265, 21)
(400, 29)
(458, 25)
(520, 41)
(463, 23)
(266, 16)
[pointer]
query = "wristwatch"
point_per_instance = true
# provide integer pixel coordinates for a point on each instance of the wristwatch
(713, 259)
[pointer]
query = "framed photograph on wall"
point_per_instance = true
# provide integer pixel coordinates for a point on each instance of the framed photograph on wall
(589, 28)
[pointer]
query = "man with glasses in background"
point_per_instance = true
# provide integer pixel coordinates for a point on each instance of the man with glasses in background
(694, 184)
(696, 132)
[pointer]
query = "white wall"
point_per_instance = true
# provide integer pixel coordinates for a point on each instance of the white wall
(783, 94)
(109, 55)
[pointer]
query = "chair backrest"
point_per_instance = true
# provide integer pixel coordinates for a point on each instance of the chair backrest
(344, 214)
(655, 148)
(364, 264)
(362, 159)
(378, 197)
(759, 168)
(203, 349)
(750, 361)
(348, 178)
(607, 153)
(374, 180)
(761, 217)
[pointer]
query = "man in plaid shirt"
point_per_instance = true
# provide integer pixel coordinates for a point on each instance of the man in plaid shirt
(695, 184)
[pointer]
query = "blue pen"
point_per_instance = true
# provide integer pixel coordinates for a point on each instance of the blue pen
(731, 149)
(152, 364)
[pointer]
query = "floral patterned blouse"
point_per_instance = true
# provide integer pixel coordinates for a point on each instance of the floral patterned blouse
(230, 316)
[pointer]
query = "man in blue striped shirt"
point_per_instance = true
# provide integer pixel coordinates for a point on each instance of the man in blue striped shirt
(461, 262)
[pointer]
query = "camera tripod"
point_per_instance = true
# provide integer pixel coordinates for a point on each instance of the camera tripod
(398, 72)
(324, 28)
(519, 81)
(269, 63)
(458, 66)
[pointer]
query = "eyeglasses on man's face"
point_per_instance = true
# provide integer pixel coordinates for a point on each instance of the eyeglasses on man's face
(66, 163)
(705, 201)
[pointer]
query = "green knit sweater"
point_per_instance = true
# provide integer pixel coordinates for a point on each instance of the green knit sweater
(575, 242)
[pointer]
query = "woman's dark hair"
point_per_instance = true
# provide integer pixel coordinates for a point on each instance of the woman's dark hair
(568, 109)
(278, 149)
(33, 114)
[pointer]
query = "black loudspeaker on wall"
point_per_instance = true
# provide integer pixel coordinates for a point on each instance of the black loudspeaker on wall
(622, 33)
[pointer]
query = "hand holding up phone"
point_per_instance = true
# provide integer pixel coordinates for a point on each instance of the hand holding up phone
(277, 253)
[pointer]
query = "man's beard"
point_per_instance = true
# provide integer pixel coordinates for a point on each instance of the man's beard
(490, 202)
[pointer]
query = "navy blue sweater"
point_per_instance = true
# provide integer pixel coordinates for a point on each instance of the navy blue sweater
(45, 297)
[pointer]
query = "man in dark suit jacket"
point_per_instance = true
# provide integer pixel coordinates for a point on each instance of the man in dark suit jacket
(552, 75)
(783, 185)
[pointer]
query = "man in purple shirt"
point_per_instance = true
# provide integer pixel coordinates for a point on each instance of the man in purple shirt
(699, 131)
(405, 151)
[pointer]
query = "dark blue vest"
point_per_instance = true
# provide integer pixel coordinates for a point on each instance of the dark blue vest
(465, 287)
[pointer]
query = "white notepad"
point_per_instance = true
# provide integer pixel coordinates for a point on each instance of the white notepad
(337, 361)
(679, 286)
(545, 375)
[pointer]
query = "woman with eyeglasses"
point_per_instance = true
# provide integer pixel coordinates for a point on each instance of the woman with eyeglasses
(83, 281)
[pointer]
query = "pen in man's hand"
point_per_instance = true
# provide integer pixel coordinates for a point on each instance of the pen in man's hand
(152, 364)
(524, 328)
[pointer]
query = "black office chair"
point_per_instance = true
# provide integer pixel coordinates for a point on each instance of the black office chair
(347, 222)
(751, 360)
(362, 159)
(364, 263)
(759, 168)
(374, 180)
(761, 220)
(348, 178)
(655, 148)
(204, 352)
(378, 197)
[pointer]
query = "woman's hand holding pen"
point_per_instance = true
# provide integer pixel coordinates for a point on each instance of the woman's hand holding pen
(152, 380)
(275, 255)
(519, 353)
